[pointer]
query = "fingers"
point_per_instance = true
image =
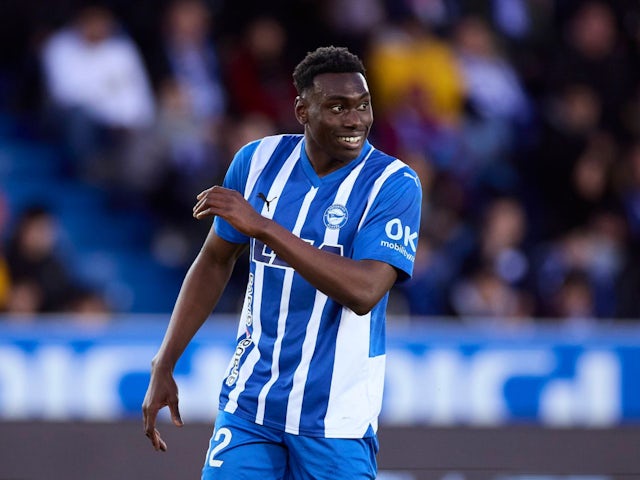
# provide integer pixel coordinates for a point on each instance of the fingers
(204, 192)
(149, 419)
(162, 392)
(159, 445)
(203, 214)
(203, 207)
(152, 433)
(175, 414)
(199, 204)
(149, 416)
(220, 201)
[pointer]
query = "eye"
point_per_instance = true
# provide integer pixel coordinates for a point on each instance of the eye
(337, 108)
(363, 106)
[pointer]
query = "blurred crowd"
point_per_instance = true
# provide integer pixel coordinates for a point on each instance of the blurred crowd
(521, 117)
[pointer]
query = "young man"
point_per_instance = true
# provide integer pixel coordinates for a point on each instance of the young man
(332, 224)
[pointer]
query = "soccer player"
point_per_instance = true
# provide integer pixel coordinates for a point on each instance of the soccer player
(331, 223)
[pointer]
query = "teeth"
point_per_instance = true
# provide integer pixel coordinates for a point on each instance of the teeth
(350, 139)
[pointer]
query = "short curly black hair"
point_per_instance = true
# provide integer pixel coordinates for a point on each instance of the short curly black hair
(325, 60)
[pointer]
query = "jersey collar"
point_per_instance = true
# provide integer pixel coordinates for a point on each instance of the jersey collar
(337, 174)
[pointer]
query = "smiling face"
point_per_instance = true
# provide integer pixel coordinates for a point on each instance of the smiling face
(337, 116)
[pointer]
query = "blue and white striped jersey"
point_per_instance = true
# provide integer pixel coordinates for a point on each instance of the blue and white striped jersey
(304, 363)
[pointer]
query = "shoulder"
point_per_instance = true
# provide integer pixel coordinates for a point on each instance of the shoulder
(272, 146)
(258, 153)
(392, 170)
(282, 141)
(274, 140)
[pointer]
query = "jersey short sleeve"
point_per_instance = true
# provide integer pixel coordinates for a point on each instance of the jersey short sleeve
(236, 179)
(389, 232)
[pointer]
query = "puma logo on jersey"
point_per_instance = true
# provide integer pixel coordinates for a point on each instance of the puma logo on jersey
(415, 179)
(262, 197)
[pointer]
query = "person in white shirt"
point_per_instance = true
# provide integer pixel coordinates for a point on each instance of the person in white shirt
(96, 82)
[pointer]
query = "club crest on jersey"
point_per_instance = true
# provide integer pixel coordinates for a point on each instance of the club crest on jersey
(335, 216)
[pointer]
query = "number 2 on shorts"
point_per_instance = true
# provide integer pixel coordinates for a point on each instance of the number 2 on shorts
(225, 433)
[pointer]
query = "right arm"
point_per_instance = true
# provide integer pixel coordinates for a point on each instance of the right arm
(203, 285)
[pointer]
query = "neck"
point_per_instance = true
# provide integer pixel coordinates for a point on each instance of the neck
(323, 163)
(323, 168)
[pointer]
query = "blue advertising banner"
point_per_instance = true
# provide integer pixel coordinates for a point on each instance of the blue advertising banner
(437, 373)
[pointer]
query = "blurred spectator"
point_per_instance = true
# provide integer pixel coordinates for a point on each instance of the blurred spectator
(492, 85)
(629, 186)
(594, 55)
(436, 268)
(181, 153)
(445, 241)
(502, 244)
(408, 64)
(591, 184)
(192, 99)
(498, 112)
(630, 112)
(354, 18)
(571, 118)
(528, 35)
(98, 88)
(574, 301)
(176, 158)
(406, 128)
(41, 280)
(628, 286)
(5, 283)
(189, 56)
(353, 21)
(513, 17)
(497, 272)
(5, 280)
(590, 187)
(259, 74)
(484, 295)
(597, 250)
(611, 237)
(25, 300)
(419, 94)
(438, 14)
(90, 306)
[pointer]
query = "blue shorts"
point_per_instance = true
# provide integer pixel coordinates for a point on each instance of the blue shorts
(240, 449)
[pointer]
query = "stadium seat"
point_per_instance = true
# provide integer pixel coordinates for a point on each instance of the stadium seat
(106, 243)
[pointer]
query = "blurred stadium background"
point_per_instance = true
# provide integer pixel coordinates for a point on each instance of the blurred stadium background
(513, 353)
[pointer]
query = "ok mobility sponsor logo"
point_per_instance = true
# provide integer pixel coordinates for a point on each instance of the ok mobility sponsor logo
(397, 232)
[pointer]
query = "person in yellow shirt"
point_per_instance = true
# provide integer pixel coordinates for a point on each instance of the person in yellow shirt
(410, 64)
(5, 284)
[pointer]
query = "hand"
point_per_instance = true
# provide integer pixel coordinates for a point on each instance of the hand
(162, 392)
(230, 205)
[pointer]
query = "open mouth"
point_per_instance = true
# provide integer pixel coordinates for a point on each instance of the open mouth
(351, 140)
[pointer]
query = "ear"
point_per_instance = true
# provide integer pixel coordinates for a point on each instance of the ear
(301, 110)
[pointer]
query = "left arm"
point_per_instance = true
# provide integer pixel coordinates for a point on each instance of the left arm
(356, 284)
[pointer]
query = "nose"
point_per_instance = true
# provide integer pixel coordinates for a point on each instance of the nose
(352, 118)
